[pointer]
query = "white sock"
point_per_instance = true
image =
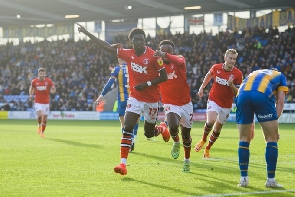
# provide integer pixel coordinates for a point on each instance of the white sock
(124, 161)
(271, 179)
(186, 160)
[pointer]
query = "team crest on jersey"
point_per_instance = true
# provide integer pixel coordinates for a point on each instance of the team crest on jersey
(46, 83)
(128, 106)
(145, 61)
(160, 61)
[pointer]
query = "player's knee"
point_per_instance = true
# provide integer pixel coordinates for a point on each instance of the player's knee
(149, 129)
(209, 125)
(128, 129)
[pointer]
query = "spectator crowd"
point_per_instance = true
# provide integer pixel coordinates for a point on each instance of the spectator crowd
(80, 69)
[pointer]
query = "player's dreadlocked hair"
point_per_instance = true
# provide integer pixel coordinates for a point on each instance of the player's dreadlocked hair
(135, 31)
(169, 42)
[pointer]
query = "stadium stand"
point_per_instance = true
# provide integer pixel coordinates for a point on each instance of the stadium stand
(80, 69)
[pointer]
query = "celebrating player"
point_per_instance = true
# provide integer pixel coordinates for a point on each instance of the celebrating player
(227, 79)
(175, 95)
(42, 87)
(262, 93)
(145, 73)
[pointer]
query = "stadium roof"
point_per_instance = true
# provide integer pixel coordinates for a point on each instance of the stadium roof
(34, 12)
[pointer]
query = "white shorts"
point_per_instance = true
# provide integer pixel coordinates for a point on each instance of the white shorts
(42, 107)
(222, 113)
(149, 110)
(185, 113)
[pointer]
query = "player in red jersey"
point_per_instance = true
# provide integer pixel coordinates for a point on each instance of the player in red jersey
(227, 79)
(175, 95)
(145, 73)
(42, 87)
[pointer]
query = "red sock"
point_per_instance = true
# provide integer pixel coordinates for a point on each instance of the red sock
(43, 127)
(187, 148)
(212, 139)
(175, 138)
(126, 142)
(187, 152)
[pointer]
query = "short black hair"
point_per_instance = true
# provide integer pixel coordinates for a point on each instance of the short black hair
(136, 31)
(169, 42)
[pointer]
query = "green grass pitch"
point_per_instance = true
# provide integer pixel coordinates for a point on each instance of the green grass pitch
(76, 158)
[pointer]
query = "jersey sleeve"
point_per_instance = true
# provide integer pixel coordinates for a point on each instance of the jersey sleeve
(239, 79)
(177, 60)
(212, 69)
(283, 84)
(115, 72)
(124, 54)
(33, 83)
(158, 63)
(51, 84)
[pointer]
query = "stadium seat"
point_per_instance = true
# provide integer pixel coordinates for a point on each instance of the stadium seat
(56, 97)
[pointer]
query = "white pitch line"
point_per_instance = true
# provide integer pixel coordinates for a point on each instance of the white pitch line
(248, 193)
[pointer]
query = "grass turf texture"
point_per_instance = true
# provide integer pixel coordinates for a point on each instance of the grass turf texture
(76, 158)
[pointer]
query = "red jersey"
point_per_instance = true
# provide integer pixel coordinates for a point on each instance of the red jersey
(42, 90)
(175, 90)
(142, 69)
(220, 92)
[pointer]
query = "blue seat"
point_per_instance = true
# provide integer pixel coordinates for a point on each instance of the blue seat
(56, 97)
(89, 101)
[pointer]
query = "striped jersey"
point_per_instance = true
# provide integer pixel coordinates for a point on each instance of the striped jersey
(265, 81)
(121, 74)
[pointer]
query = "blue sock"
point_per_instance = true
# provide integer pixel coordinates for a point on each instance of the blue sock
(244, 154)
(135, 129)
(271, 157)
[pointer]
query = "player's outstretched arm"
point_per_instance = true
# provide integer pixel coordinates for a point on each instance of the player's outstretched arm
(163, 77)
(105, 89)
(175, 59)
(98, 41)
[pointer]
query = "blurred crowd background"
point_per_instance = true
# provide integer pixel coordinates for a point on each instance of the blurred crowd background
(80, 69)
